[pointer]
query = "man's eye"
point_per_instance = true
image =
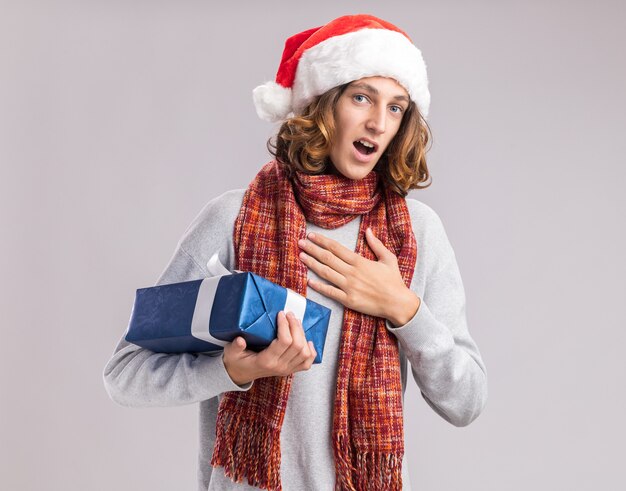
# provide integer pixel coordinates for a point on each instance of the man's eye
(359, 96)
(399, 109)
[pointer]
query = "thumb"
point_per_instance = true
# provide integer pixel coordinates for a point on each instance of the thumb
(239, 344)
(377, 245)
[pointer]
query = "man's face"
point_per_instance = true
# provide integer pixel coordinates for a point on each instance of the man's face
(367, 116)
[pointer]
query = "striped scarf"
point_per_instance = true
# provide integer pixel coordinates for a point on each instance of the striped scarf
(368, 432)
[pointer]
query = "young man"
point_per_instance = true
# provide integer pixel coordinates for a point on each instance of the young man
(329, 219)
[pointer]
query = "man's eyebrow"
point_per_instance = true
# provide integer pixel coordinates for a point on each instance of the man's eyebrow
(374, 90)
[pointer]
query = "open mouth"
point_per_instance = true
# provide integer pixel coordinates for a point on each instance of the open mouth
(364, 148)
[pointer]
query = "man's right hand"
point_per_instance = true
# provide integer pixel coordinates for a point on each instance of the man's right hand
(287, 354)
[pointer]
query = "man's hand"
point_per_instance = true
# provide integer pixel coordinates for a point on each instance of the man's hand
(370, 287)
(287, 354)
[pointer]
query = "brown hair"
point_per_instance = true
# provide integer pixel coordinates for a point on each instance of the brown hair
(303, 143)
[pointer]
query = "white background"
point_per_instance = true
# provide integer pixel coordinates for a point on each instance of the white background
(119, 120)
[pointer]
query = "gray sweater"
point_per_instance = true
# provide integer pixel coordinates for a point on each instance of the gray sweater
(444, 360)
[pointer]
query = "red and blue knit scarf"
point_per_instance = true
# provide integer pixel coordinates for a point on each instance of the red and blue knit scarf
(368, 432)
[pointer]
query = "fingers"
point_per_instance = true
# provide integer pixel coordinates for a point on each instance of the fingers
(235, 362)
(239, 344)
(303, 352)
(236, 347)
(298, 351)
(308, 362)
(284, 337)
(289, 352)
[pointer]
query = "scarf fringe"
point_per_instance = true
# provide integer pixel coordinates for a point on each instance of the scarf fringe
(257, 447)
(343, 464)
(374, 471)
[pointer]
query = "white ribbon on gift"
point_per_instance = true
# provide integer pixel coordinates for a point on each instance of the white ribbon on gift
(294, 302)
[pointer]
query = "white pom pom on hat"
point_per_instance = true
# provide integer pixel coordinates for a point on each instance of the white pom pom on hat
(272, 101)
(346, 49)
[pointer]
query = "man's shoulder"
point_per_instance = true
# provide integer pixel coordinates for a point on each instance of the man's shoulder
(228, 199)
(421, 213)
(216, 217)
(221, 207)
(427, 226)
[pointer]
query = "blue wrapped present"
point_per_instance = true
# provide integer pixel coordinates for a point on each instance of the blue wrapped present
(204, 315)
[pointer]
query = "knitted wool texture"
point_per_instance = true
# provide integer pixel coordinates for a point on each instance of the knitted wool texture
(368, 433)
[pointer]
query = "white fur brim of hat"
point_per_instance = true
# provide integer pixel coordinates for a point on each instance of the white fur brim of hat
(343, 59)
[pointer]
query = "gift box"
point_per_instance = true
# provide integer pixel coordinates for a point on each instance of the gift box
(202, 316)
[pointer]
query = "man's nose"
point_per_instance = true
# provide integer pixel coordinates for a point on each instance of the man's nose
(377, 120)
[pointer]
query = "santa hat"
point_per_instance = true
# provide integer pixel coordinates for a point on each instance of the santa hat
(346, 49)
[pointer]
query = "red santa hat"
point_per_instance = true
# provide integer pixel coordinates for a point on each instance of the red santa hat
(346, 49)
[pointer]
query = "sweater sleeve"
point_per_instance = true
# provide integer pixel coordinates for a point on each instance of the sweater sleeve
(445, 361)
(138, 377)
